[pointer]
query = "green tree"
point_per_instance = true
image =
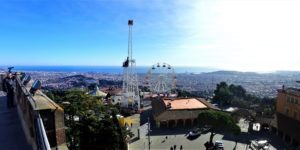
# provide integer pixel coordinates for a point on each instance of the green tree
(217, 121)
(237, 91)
(90, 124)
(73, 112)
(182, 93)
(223, 95)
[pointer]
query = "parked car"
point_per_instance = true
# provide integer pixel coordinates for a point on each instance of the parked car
(205, 129)
(219, 145)
(195, 132)
(260, 144)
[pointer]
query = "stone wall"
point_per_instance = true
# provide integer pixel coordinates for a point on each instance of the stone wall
(30, 107)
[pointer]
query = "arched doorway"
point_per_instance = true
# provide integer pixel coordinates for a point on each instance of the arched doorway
(163, 124)
(188, 122)
(280, 134)
(274, 130)
(171, 123)
(180, 123)
(287, 138)
(195, 122)
(295, 143)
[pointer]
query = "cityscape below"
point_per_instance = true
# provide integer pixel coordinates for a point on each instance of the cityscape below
(197, 80)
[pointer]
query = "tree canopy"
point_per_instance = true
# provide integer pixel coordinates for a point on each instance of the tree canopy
(90, 124)
(236, 95)
(217, 121)
(223, 95)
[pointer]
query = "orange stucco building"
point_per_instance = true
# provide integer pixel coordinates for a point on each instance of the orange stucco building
(287, 119)
(288, 103)
(173, 112)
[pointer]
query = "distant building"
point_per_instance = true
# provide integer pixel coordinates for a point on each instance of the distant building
(172, 112)
(287, 119)
(115, 93)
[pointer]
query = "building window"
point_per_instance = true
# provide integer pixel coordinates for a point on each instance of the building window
(295, 114)
(288, 99)
(296, 101)
(292, 99)
(287, 111)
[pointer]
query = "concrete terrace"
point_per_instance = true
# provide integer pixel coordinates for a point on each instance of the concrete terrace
(12, 136)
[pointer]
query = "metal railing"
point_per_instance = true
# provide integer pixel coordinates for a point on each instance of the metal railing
(43, 143)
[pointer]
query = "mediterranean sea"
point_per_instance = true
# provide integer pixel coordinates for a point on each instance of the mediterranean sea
(104, 69)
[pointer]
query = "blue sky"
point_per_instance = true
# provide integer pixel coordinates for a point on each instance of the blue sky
(244, 35)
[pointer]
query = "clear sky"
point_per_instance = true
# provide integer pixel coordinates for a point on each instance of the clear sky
(244, 35)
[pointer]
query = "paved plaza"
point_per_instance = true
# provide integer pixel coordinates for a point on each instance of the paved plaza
(178, 137)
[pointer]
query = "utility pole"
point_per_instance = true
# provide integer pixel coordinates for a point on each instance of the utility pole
(149, 133)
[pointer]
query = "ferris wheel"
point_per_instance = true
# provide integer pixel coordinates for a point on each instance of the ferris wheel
(161, 78)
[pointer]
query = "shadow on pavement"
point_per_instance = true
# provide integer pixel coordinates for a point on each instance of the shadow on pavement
(134, 140)
(191, 138)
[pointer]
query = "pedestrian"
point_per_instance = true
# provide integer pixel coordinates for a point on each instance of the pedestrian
(166, 137)
(171, 148)
(180, 147)
(174, 147)
(9, 86)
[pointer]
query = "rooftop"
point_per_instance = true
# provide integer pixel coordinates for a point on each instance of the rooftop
(181, 108)
(183, 103)
(291, 91)
(112, 92)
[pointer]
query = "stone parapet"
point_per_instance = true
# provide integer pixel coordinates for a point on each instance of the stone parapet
(29, 107)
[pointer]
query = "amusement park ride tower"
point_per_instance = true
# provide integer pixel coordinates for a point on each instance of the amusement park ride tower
(130, 92)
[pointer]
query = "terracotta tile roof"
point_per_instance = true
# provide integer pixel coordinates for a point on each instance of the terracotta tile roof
(191, 103)
(181, 108)
(112, 92)
(116, 91)
(103, 89)
(208, 104)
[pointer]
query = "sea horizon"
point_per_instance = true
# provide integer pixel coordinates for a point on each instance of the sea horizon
(103, 69)
(119, 69)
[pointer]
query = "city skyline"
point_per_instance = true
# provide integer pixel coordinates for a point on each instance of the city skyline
(229, 35)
